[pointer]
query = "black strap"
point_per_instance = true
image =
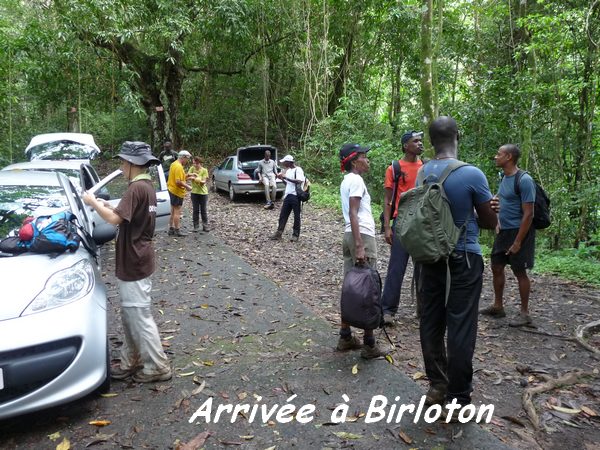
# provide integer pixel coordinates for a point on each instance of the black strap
(397, 173)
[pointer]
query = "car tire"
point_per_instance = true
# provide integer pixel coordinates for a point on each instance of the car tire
(232, 195)
(104, 388)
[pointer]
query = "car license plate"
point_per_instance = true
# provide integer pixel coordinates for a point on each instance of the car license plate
(1, 379)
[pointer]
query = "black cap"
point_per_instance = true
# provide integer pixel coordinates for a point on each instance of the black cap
(409, 135)
(137, 153)
(348, 149)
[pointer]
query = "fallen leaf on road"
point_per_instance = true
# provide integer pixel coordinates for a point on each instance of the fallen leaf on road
(187, 374)
(589, 411)
(100, 438)
(565, 410)
(405, 437)
(354, 369)
(345, 435)
(196, 443)
(389, 359)
(100, 423)
(109, 395)
(54, 436)
(418, 375)
(247, 438)
(64, 445)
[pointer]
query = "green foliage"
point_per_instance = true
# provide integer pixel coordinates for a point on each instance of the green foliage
(569, 264)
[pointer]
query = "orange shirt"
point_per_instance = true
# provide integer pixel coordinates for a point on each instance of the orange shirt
(405, 183)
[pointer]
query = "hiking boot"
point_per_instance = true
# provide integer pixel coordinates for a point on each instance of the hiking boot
(294, 238)
(522, 320)
(142, 377)
(171, 231)
(177, 232)
(388, 320)
(117, 373)
(351, 343)
(435, 396)
(371, 352)
(205, 227)
(451, 417)
(493, 311)
(276, 236)
(271, 205)
(196, 228)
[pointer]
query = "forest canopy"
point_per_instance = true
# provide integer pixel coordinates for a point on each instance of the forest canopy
(309, 75)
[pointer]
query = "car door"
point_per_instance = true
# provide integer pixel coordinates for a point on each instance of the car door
(112, 187)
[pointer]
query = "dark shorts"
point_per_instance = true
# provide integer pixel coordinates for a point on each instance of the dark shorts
(520, 261)
(175, 200)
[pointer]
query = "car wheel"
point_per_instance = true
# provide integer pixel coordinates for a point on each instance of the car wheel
(232, 195)
(105, 386)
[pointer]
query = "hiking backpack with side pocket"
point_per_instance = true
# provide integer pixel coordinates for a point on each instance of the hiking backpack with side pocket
(303, 189)
(424, 222)
(53, 234)
(541, 206)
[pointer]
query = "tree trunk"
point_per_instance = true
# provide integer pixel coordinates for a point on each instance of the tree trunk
(427, 67)
(339, 83)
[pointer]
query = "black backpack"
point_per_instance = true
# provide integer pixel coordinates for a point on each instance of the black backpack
(361, 298)
(541, 207)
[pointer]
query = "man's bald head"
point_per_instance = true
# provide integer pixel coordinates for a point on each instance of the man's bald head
(443, 132)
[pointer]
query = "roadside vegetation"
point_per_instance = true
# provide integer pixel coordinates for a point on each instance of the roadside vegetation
(214, 76)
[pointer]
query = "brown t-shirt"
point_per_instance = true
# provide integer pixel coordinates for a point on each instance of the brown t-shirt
(134, 253)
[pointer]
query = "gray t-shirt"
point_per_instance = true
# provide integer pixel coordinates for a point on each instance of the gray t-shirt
(510, 203)
(265, 168)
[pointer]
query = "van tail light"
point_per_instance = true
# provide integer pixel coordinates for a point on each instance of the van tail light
(243, 176)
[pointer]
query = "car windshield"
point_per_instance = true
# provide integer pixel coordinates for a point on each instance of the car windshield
(62, 150)
(19, 202)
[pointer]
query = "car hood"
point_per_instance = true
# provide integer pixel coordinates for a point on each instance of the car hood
(23, 277)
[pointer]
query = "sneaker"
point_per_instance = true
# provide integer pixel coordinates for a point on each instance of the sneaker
(388, 320)
(271, 205)
(177, 232)
(371, 352)
(142, 377)
(171, 231)
(267, 206)
(451, 417)
(492, 311)
(351, 343)
(117, 373)
(435, 396)
(276, 236)
(205, 227)
(196, 228)
(522, 320)
(294, 238)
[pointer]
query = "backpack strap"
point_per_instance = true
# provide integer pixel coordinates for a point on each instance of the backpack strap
(518, 177)
(396, 172)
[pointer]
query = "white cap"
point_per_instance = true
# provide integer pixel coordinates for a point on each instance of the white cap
(184, 153)
(287, 158)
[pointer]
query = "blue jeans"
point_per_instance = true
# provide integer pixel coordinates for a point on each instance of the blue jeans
(390, 299)
(449, 365)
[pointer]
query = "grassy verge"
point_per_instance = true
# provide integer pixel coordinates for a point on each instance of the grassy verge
(567, 263)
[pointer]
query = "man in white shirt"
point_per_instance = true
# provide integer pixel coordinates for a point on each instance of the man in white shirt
(359, 245)
(291, 175)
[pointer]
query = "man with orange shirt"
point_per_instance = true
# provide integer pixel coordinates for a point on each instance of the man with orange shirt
(412, 147)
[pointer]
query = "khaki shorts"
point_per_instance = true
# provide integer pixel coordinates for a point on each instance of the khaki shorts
(349, 250)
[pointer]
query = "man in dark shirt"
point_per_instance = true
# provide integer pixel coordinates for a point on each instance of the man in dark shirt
(142, 355)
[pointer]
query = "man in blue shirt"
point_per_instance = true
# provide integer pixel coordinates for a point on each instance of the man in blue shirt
(449, 366)
(515, 241)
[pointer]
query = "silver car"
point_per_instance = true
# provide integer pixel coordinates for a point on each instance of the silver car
(62, 146)
(53, 319)
(237, 176)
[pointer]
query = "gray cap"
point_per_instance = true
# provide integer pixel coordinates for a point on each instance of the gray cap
(137, 153)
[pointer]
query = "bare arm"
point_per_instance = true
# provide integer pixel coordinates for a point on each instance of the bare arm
(486, 216)
(360, 248)
(523, 228)
(105, 211)
(387, 210)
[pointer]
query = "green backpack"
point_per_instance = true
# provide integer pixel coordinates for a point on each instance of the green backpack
(425, 225)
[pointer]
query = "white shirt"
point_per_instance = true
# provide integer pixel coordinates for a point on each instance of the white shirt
(354, 186)
(295, 173)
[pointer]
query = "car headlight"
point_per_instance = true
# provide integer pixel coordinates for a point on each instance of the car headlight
(65, 286)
